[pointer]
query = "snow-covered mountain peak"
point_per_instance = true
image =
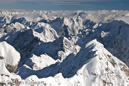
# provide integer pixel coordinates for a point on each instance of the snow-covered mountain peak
(104, 69)
(98, 67)
(64, 48)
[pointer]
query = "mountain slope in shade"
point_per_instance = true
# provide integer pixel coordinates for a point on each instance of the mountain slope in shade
(115, 39)
(64, 48)
(101, 69)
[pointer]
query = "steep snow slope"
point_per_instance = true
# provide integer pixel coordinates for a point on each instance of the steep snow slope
(104, 69)
(115, 39)
(42, 61)
(57, 47)
(100, 68)
(7, 52)
(9, 59)
(44, 32)
(14, 27)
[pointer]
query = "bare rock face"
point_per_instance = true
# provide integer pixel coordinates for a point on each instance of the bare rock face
(11, 68)
(9, 56)
(1, 58)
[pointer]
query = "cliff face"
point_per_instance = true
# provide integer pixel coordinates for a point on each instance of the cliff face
(65, 48)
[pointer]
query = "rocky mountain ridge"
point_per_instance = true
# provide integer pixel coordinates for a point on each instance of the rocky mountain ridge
(65, 48)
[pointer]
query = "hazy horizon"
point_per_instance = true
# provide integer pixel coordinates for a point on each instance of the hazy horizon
(65, 4)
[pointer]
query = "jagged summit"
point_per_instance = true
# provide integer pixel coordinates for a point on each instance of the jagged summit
(64, 48)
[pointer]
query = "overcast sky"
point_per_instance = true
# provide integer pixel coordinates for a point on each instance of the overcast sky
(65, 4)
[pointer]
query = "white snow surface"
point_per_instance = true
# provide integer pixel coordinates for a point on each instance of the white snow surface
(42, 61)
(65, 48)
(102, 70)
(10, 55)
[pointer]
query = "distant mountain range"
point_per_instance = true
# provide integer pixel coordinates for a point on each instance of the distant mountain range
(64, 48)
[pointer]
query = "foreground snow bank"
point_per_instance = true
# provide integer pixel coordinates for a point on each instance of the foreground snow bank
(10, 56)
(9, 59)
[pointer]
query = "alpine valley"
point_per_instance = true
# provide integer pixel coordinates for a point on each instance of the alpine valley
(64, 48)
